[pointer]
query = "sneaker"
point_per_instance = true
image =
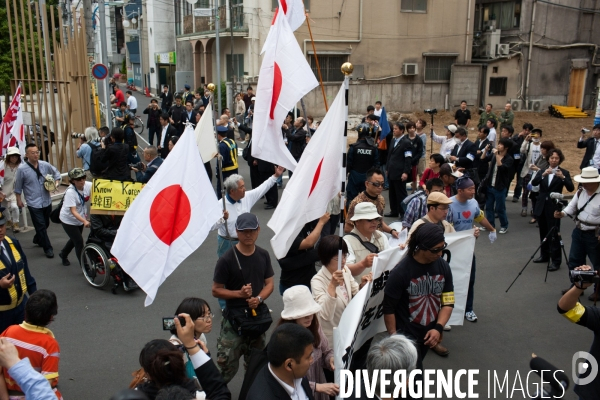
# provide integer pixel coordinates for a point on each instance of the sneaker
(16, 228)
(470, 316)
(447, 328)
(503, 230)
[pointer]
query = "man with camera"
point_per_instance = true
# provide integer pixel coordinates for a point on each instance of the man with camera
(589, 317)
(591, 157)
(585, 211)
(153, 111)
(144, 172)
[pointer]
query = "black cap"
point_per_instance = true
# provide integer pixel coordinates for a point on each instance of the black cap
(246, 221)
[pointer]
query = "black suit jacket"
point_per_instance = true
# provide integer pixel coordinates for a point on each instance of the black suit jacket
(466, 155)
(544, 205)
(589, 147)
(167, 100)
(171, 131)
(184, 117)
(266, 387)
(400, 158)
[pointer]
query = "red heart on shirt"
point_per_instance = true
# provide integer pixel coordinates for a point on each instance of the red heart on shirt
(466, 214)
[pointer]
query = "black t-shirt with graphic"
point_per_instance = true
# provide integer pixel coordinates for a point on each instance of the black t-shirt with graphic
(255, 269)
(413, 293)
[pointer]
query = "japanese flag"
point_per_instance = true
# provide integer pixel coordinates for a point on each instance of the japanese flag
(169, 219)
(294, 12)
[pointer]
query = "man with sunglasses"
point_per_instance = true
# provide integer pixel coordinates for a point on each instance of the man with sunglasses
(364, 241)
(464, 212)
(371, 194)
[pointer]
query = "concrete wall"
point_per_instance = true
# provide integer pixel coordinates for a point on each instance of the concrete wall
(465, 84)
(159, 32)
(185, 57)
(510, 69)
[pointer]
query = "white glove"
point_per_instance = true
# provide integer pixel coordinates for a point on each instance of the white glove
(492, 237)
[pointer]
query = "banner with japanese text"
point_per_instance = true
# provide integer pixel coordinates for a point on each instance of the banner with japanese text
(110, 197)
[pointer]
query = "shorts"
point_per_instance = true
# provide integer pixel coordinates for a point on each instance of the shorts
(421, 166)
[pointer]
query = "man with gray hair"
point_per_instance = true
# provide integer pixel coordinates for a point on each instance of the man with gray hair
(144, 172)
(88, 142)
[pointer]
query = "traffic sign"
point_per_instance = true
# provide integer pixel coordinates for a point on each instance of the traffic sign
(99, 71)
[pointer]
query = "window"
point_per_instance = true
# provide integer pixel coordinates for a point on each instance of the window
(275, 4)
(498, 86)
(507, 14)
(330, 67)
(238, 67)
(437, 69)
(413, 6)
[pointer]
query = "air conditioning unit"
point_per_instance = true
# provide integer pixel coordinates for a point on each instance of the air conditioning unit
(503, 49)
(410, 69)
(535, 105)
(516, 104)
(490, 43)
(358, 72)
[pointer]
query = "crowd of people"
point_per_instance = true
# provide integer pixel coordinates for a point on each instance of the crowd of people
(464, 186)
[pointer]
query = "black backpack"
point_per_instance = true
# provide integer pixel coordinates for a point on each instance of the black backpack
(97, 166)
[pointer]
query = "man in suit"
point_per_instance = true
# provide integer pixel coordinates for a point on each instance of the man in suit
(167, 130)
(166, 99)
(552, 180)
(153, 161)
(591, 157)
(189, 115)
(176, 113)
(463, 154)
(398, 169)
(16, 279)
(290, 354)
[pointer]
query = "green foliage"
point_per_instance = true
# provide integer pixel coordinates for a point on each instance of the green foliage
(223, 95)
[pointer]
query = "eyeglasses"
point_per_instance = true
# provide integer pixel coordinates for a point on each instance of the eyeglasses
(376, 184)
(443, 208)
(374, 220)
(206, 318)
(33, 152)
(438, 249)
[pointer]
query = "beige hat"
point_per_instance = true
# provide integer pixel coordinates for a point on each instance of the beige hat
(298, 302)
(365, 210)
(588, 175)
(13, 151)
(438, 198)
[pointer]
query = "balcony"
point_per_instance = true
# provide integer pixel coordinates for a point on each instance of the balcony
(203, 27)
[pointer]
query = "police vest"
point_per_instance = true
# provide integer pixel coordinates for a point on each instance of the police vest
(363, 157)
(17, 291)
(232, 153)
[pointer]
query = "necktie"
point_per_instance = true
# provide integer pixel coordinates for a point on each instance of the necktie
(4, 252)
(396, 142)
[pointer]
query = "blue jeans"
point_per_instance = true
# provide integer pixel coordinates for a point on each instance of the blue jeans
(222, 246)
(40, 217)
(584, 243)
(471, 293)
(496, 198)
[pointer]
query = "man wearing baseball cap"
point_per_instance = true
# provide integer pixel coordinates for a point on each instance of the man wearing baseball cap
(16, 279)
(449, 176)
(244, 279)
(437, 210)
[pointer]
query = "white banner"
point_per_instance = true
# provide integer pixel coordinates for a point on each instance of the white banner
(363, 318)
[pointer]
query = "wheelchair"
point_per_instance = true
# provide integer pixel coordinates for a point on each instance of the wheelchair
(99, 266)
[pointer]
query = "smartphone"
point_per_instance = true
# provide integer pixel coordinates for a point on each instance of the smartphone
(169, 323)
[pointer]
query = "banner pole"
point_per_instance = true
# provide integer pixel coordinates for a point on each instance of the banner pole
(317, 62)
(347, 69)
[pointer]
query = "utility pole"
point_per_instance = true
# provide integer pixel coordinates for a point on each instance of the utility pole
(218, 58)
(233, 70)
(104, 52)
(139, 21)
(89, 29)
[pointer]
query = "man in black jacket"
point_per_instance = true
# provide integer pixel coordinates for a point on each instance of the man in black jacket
(400, 155)
(176, 113)
(153, 123)
(265, 171)
(498, 181)
(591, 147)
(297, 138)
(115, 156)
(167, 99)
(362, 156)
(164, 135)
(463, 154)
(290, 354)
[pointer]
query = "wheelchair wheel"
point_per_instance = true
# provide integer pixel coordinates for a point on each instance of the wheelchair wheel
(95, 265)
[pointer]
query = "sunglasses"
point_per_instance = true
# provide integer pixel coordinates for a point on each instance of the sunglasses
(376, 184)
(438, 249)
(374, 220)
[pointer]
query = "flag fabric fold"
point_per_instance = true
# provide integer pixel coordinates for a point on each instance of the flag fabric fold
(384, 124)
(285, 77)
(168, 220)
(205, 135)
(315, 182)
(294, 13)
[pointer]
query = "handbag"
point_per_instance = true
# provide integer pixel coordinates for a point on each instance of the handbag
(55, 214)
(246, 324)
(49, 182)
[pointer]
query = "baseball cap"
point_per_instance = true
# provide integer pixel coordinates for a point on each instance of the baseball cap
(438, 198)
(452, 128)
(446, 169)
(246, 221)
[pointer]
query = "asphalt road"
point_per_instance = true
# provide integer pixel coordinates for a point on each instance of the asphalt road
(101, 334)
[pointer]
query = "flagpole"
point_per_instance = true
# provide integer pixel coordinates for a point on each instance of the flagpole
(347, 69)
(317, 62)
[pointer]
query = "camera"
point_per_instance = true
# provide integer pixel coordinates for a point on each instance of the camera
(139, 166)
(585, 276)
(431, 111)
(169, 322)
(77, 135)
(584, 131)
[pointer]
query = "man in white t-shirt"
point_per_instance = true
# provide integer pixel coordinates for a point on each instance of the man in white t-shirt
(131, 102)
(378, 108)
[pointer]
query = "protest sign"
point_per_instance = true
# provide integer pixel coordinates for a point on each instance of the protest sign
(113, 197)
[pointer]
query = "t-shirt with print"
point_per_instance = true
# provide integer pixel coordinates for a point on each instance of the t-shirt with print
(462, 215)
(416, 289)
(255, 269)
(77, 199)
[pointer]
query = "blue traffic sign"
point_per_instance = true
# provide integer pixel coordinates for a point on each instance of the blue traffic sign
(99, 71)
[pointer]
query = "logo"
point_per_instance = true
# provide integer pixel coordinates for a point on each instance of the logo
(584, 368)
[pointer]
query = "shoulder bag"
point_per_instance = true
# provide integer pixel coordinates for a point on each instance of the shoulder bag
(367, 245)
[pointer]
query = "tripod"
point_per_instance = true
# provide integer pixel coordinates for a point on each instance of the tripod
(548, 237)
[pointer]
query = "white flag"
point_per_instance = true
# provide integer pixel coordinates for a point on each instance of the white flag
(205, 135)
(168, 220)
(285, 77)
(315, 182)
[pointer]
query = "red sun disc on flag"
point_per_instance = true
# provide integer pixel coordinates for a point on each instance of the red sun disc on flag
(170, 214)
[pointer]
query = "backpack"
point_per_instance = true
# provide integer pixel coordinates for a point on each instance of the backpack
(97, 166)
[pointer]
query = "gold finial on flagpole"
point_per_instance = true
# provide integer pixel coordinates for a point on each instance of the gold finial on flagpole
(347, 68)
(211, 87)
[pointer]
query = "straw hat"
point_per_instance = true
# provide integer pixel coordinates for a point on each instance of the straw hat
(298, 302)
(588, 175)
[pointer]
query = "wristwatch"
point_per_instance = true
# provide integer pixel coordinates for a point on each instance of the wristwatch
(260, 300)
